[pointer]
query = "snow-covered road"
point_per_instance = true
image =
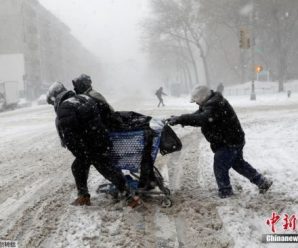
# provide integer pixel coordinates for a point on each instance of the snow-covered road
(36, 186)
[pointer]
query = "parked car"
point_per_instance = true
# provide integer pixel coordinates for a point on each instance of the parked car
(42, 100)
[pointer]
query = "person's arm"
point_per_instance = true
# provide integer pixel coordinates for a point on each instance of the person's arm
(101, 100)
(196, 119)
(106, 110)
(59, 131)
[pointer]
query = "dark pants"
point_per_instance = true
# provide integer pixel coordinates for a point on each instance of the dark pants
(160, 101)
(147, 174)
(80, 170)
(226, 158)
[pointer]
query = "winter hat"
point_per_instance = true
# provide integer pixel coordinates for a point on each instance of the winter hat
(200, 94)
(81, 83)
(55, 89)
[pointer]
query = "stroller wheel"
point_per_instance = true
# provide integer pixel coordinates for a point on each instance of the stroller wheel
(157, 174)
(166, 202)
(166, 191)
(103, 188)
(158, 178)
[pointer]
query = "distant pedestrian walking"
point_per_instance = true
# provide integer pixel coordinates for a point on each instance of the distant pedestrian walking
(220, 88)
(159, 93)
(289, 93)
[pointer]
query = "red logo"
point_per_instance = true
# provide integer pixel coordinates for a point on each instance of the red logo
(289, 222)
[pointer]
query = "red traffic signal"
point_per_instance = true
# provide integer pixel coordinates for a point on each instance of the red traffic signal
(259, 68)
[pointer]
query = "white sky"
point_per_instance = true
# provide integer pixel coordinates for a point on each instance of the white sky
(110, 28)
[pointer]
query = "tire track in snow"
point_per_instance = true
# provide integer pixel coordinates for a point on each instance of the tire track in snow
(39, 220)
(197, 221)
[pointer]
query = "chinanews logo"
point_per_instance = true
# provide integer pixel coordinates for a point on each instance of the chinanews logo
(286, 223)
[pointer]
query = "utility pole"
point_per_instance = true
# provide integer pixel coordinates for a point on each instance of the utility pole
(252, 49)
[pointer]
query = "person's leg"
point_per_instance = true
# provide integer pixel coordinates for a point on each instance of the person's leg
(224, 159)
(80, 170)
(246, 170)
(147, 175)
(160, 101)
(80, 166)
(103, 165)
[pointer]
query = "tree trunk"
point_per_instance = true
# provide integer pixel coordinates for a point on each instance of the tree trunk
(206, 69)
(190, 82)
(205, 64)
(193, 61)
(184, 79)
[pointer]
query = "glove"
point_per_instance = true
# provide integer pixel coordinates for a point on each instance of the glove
(173, 120)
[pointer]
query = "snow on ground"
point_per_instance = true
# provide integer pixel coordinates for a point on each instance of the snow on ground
(37, 186)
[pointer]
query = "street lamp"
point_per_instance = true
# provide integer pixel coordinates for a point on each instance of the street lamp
(252, 93)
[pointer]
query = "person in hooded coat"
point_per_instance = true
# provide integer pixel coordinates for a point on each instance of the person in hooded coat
(220, 88)
(83, 85)
(222, 129)
(122, 121)
(81, 130)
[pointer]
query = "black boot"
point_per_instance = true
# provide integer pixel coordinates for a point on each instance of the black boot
(265, 185)
(225, 193)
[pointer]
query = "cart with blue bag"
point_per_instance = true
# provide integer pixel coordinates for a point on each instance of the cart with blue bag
(126, 154)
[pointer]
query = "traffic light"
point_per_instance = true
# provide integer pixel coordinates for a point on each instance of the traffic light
(244, 41)
(247, 42)
(259, 68)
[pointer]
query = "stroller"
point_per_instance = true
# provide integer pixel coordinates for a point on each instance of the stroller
(126, 154)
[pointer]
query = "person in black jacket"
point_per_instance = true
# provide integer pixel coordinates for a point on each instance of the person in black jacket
(220, 88)
(83, 85)
(82, 131)
(122, 121)
(221, 127)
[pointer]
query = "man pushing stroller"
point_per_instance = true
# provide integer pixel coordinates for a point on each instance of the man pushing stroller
(222, 129)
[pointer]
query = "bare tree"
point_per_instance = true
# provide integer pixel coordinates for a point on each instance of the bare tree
(277, 31)
(179, 20)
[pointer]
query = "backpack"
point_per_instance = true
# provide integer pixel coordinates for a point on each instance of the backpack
(169, 141)
(129, 121)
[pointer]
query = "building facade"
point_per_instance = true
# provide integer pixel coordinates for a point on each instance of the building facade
(50, 51)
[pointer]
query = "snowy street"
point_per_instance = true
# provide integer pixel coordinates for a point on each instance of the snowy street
(72, 65)
(37, 186)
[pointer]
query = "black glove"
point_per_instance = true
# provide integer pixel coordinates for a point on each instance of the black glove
(173, 120)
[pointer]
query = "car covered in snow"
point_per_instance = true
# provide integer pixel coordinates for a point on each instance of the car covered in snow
(42, 100)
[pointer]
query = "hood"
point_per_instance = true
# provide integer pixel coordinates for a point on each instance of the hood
(62, 97)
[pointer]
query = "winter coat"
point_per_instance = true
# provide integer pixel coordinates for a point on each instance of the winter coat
(106, 110)
(220, 88)
(159, 93)
(218, 121)
(79, 124)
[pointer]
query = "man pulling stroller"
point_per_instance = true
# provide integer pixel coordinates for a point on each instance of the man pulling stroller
(82, 131)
